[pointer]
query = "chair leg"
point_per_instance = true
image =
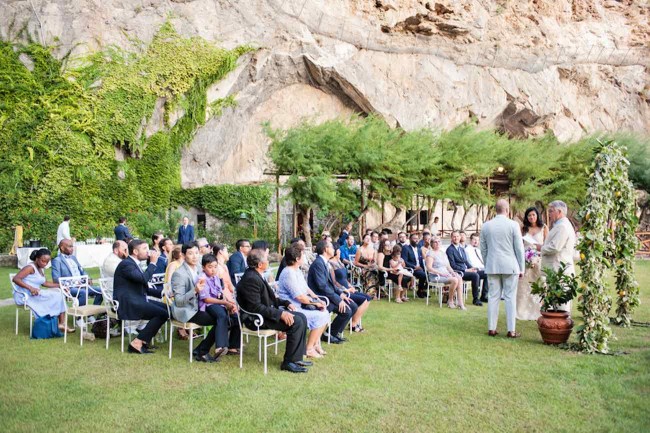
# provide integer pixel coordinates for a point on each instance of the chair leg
(241, 352)
(108, 329)
(265, 350)
(171, 338)
(122, 343)
(277, 342)
(82, 330)
(17, 323)
(65, 329)
(259, 349)
(31, 319)
(191, 343)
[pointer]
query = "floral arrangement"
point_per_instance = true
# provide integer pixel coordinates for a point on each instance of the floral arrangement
(532, 257)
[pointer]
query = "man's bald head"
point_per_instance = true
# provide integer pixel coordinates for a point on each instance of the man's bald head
(121, 249)
(502, 206)
(66, 246)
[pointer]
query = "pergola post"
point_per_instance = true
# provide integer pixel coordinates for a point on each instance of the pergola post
(277, 212)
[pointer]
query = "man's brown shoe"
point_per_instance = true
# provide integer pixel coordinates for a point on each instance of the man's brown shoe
(492, 333)
(513, 335)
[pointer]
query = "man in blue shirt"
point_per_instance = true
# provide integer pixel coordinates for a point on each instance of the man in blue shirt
(348, 250)
(65, 264)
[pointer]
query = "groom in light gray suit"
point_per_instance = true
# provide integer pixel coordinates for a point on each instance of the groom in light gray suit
(503, 253)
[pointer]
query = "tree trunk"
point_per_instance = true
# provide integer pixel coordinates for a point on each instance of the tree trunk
(414, 216)
(453, 217)
(306, 228)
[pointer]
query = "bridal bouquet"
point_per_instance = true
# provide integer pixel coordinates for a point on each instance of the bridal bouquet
(532, 257)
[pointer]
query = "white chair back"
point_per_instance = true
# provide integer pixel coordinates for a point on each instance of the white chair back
(106, 286)
(82, 282)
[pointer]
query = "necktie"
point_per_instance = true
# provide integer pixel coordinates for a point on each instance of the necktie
(478, 256)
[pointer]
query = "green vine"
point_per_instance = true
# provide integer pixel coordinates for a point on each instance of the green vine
(609, 223)
(60, 125)
(229, 202)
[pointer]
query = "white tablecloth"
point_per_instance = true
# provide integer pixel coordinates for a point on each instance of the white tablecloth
(92, 256)
(89, 256)
(23, 256)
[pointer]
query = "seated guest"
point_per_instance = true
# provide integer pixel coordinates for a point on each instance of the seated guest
(398, 274)
(216, 300)
(66, 265)
(187, 286)
(402, 239)
(283, 263)
(340, 275)
(174, 262)
(237, 262)
(121, 231)
(204, 246)
(166, 247)
(130, 289)
(348, 250)
(260, 245)
(29, 281)
(155, 239)
(366, 259)
(463, 238)
(221, 253)
(374, 240)
(120, 252)
(185, 232)
(320, 281)
(426, 237)
(440, 271)
(345, 233)
(459, 263)
(384, 235)
(473, 252)
(434, 227)
(293, 287)
(412, 255)
(256, 296)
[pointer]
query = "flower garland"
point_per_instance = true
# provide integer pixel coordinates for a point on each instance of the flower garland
(609, 223)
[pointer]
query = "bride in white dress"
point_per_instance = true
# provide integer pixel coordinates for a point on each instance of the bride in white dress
(534, 232)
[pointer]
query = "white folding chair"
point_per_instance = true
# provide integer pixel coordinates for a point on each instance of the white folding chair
(81, 283)
(388, 286)
(261, 334)
(111, 305)
(238, 277)
(24, 306)
(439, 287)
(173, 323)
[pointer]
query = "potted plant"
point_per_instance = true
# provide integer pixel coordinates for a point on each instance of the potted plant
(555, 288)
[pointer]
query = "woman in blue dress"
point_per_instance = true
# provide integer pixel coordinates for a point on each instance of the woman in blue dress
(293, 288)
(29, 281)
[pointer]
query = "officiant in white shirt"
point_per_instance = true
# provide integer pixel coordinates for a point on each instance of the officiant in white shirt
(473, 252)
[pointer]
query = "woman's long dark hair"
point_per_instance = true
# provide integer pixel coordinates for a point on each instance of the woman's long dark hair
(527, 225)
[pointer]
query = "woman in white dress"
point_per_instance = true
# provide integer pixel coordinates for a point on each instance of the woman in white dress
(534, 232)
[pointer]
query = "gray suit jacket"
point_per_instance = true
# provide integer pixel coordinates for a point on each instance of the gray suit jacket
(186, 303)
(502, 247)
(559, 246)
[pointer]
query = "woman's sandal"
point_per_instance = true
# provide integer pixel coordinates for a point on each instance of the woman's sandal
(320, 350)
(70, 330)
(358, 328)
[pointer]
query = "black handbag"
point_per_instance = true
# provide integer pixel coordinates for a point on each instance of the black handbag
(309, 307)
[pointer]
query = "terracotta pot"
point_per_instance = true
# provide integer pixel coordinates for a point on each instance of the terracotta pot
(555, 326)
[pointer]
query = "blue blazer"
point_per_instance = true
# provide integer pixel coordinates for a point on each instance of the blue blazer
(458, 259)
(185, 235)
(409, 257)
(60, 268)
(319, 280)
(122, 232)
(236, 265)
(130, 288)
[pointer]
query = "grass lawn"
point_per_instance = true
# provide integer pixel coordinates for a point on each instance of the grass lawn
(417, 368)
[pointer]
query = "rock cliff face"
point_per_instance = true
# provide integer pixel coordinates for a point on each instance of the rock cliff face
(571, 67)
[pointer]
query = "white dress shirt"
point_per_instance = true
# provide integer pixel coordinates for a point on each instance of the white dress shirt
(63, 232)
(474, 256)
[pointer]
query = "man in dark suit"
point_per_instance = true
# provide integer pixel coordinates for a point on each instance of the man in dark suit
(320, 282)
(237, 262)
(256, 296)
(458, 260)
(412, 255)
(185, 232)
(121, 230)
(130, 289)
